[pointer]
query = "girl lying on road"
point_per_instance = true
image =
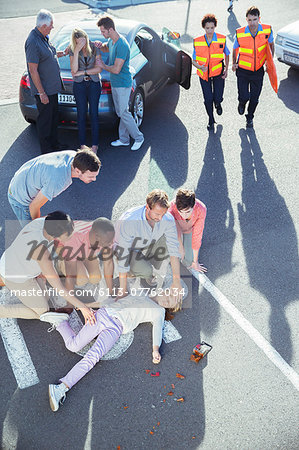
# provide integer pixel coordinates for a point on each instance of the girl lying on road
(113, 320)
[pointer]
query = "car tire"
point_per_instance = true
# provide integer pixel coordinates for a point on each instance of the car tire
(137, 106)
(31, 121)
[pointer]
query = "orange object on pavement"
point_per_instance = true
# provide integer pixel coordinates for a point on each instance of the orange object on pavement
(271, 69)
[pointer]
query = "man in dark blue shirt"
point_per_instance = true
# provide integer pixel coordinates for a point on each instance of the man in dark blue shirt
(45, 80)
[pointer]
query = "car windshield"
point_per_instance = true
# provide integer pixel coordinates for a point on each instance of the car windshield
(62, 40)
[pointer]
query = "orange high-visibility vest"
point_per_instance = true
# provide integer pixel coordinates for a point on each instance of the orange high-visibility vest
(252, 50)
(211, 56)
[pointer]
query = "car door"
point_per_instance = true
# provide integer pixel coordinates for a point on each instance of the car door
(176, 64)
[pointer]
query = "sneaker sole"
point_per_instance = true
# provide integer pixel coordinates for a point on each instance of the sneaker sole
(120, 145)
(52, 406)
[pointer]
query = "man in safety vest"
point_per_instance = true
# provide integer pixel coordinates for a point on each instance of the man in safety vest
(249, 56)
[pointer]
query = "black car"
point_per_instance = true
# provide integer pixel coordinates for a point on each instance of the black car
(154, 61)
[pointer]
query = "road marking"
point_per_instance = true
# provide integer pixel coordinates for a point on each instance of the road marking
(170, 333)
(249, 329)
(88, 440)
(16, 349)
(9, 101)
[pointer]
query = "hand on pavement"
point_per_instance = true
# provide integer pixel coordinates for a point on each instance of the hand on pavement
(198, 267)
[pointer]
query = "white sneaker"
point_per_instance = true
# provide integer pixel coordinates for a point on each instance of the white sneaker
(137, 145)
(54, 319)
(57, 395)
(119, 143)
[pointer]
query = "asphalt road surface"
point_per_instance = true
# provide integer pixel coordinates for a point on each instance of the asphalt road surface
(243, 395)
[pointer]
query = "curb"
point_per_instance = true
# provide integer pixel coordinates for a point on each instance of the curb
(9, 101)
(100, 4)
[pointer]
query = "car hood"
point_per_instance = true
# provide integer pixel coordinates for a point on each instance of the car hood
(291, 30)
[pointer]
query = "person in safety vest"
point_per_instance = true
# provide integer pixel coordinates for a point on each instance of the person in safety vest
(249, 56)
(209, 53)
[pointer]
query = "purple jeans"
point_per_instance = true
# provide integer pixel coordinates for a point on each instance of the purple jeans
(108, 331)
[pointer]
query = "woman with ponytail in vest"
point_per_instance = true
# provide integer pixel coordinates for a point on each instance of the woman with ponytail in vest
(210, 52)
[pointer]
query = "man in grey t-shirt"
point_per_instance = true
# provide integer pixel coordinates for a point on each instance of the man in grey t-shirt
(43, 178)
(45, 80)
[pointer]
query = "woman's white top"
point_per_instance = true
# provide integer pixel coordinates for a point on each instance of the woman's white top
(133, 310)
(16, 263)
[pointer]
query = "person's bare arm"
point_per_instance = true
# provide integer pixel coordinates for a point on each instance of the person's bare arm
(108, 273)
(116, 68)
(70, 274)
(199, 66)
(122, 285)
(234, 65)
(37, 82)
(272, 48)
(94, 70)
(46, 264)
(36, 205)
(176, 287)
(226, 66)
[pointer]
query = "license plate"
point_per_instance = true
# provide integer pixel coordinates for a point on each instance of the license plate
(66, 98)
(291, 58)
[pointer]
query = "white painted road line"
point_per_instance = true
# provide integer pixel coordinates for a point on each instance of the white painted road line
(16, 349)
(252, 332)
(170, 333)
(9, 101)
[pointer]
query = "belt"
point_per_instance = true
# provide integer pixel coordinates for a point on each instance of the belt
(86, 78)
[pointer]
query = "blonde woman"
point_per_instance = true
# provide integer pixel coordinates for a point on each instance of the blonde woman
(84, 57)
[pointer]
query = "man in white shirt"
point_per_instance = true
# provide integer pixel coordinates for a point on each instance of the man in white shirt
(145, 237)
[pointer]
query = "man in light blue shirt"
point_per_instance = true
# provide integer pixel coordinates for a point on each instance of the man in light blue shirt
(121, 82)
(43, 178)
(145, 237)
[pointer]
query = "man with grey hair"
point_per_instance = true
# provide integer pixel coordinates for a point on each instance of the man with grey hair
(45, 80)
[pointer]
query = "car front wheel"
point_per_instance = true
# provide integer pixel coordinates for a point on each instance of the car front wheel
(137, 107)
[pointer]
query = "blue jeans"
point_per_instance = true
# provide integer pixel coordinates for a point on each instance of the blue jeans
(22, 212)
(88, 92)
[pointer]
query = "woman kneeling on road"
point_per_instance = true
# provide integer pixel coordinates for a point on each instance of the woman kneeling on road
(112, 320)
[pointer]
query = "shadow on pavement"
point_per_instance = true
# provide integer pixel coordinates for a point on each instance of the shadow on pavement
(117, 403)
(288, 90)
(168, 138)
(271, 258)
(219, 228)
(232, 25)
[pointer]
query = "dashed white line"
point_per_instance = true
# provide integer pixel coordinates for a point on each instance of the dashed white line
(249, 329)
(16, 349)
